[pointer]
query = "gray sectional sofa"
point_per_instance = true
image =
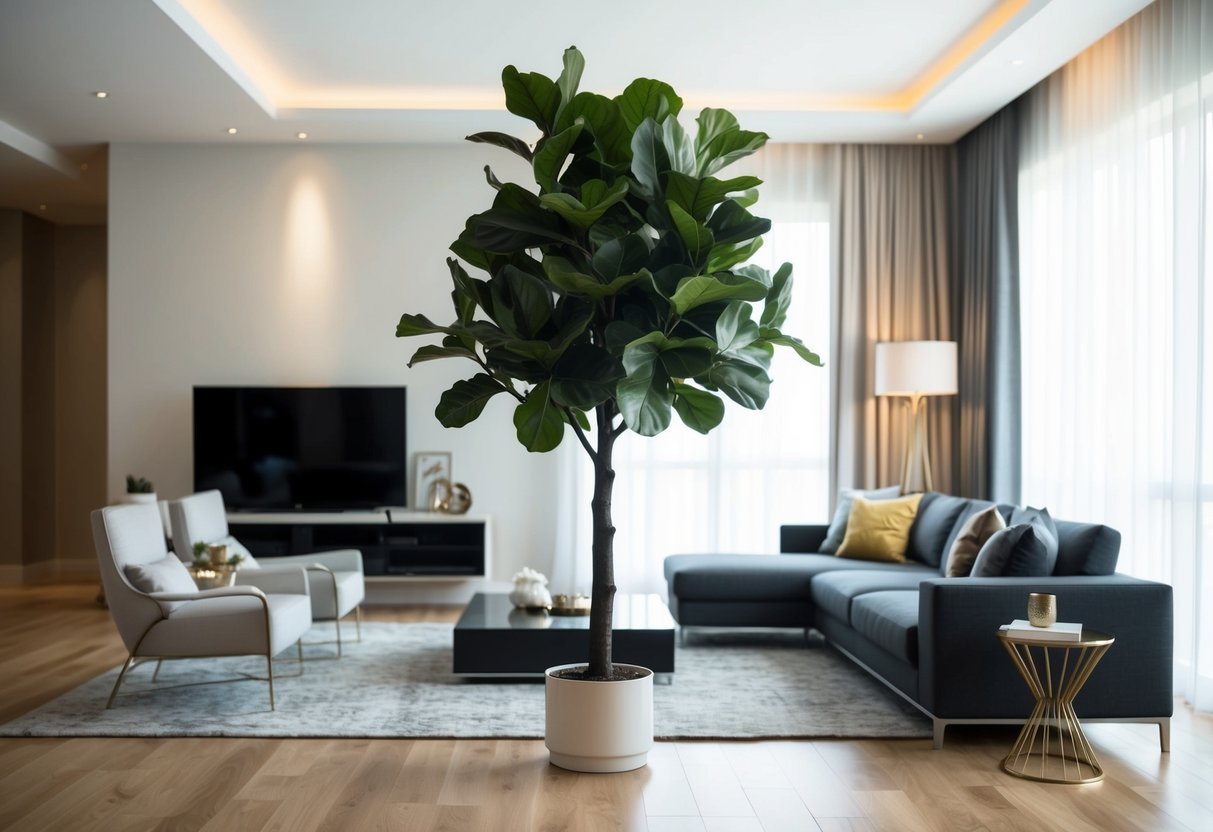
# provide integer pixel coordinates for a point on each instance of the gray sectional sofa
(932, 638)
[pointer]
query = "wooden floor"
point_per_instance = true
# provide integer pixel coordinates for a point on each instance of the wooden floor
(54, 638)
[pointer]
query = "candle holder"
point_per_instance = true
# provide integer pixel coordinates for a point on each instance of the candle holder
(1042, 609)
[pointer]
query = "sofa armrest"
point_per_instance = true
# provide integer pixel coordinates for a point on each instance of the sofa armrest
(802, 539)
(964, 672)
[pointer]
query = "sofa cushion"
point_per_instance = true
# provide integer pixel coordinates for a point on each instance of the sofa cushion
(889, 618)
(1012, 552)
(833, 591)
(838, 526)
(1044, 530)
(740, 577)
(966, 514)
(879, 529)
(933, 525)
(1086, 549)
(974, 533)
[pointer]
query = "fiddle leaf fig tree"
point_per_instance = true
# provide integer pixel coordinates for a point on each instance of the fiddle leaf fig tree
(610, 295)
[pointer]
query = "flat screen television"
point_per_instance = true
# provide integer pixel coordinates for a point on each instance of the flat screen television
(301, 448)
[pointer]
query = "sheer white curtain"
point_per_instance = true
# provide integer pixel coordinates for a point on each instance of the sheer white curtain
(1117, 308)
(729, 490)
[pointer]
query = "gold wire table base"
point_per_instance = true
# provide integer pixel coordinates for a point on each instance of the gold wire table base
(1052, 747)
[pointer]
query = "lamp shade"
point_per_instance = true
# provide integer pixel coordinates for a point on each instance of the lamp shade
(916, 368)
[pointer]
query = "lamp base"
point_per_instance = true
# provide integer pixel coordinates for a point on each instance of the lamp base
(916, 469)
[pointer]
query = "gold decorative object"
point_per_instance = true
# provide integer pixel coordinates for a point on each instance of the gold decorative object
(1042, 609)
(213, 577)
(1052, 747)
(570, 605)
(217, 552)
(449, 498)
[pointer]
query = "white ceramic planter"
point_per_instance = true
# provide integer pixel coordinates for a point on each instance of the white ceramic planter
(599, 726)
(140, 498)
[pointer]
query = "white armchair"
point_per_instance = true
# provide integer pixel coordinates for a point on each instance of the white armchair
(335, 578)
(160, 614)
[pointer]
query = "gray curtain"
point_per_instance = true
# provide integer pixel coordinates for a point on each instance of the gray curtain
(891, 274)
(985, 309)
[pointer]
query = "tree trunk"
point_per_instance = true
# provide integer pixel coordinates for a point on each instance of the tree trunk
(602, 596)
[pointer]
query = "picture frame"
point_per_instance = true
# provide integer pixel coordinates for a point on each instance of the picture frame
(432, 466)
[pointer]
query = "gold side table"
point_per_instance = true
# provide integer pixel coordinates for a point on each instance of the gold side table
(1052, 747)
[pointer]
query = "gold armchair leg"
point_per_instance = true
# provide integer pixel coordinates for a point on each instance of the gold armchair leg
(269, 668)
(125, 667)
(156, 672)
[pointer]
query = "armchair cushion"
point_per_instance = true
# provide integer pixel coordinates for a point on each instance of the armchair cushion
(165, 575)
(229, 625)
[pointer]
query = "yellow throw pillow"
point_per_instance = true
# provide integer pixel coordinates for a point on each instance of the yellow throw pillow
(879, 529)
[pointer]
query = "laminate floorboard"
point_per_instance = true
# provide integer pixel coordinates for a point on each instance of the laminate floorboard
(55, 637)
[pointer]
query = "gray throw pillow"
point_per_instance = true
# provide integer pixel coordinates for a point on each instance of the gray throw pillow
(972, 538)
(164, 575)
(1012, 552)
(838, 526)
(1043, 527)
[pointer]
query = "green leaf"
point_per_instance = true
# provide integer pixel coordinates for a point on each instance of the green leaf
(621, 333)
(779, 298)
(530, 300)
(742, 381)
(682, 361)
(644, 397)
(695, 235)
(646, 98)
(550, 156)
(678, 147)
(562, 273)
(465, 401)
(585, 376)
(734, 329)
(432, 353)
(701, 289)
(698, 196)
(570, 78)
(699, 410)
(510, 143)
(516, 222)
(649, 157)
(798, 346)
(723, 258)
(596, 200)
(601, 115)
(532, 96)
(621, 255)
(411, 325)
(732, 223)
(720, 141)
(492, 179)
(538, 420)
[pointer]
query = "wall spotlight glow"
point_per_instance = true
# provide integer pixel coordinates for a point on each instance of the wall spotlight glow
(101, 94)
(231, 131)
(301, 135)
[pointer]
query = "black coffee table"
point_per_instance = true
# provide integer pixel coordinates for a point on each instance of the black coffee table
(494, 639)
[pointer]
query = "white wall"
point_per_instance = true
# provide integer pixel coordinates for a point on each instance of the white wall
(292, 265)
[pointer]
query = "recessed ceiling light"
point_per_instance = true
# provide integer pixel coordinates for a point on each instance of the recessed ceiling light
(231, 131)
(1017, 62)
(301, 135)
(101, 94)
(921, 137)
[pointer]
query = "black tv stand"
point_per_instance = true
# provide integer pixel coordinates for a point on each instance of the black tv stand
(395, 543)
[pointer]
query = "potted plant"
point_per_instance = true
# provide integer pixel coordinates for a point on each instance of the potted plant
(615, 297)
(139, 490)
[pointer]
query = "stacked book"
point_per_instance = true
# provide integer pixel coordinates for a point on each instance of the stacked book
(1061, 631)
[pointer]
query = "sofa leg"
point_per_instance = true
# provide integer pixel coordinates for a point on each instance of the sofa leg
(1164, 735)
(940, 726)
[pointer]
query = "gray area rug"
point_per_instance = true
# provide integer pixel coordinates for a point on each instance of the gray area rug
(397, 683)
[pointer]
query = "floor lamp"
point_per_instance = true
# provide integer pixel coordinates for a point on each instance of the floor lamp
(916, 369)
